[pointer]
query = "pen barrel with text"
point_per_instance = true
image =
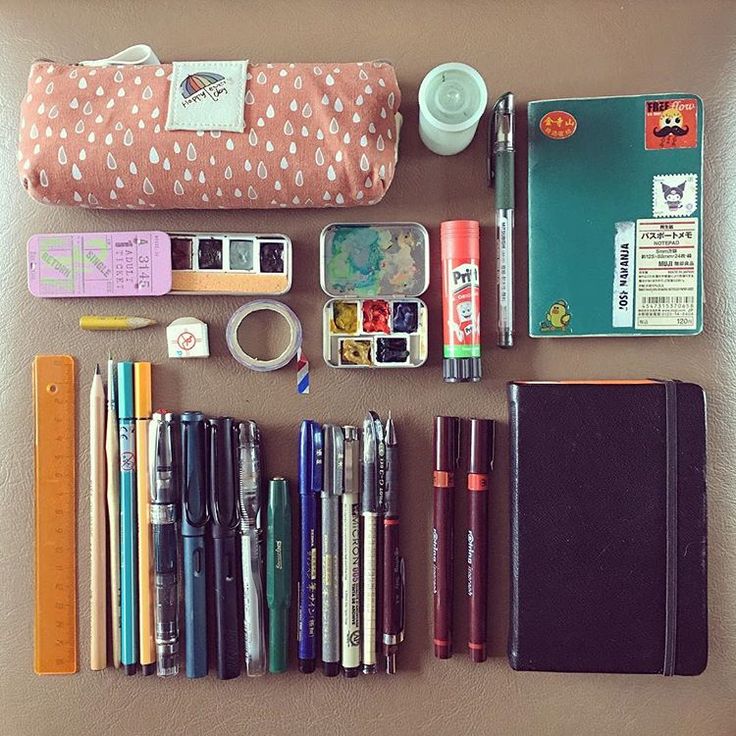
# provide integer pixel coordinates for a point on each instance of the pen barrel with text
(477, 560)
(350, 658)
(442, 564)
(278, 573)
(308, 584)
(368, 638)
(330, 585)
(392, 589)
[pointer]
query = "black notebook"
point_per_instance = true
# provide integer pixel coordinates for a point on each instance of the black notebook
(608, 527)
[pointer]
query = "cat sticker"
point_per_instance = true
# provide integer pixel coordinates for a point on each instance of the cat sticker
(674, 195)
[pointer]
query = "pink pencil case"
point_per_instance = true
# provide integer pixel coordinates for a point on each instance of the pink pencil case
(209, 134)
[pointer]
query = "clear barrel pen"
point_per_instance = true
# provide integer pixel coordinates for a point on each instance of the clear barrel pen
(501, 143)
(350, 555)
(369, 514)
(251, 547)
(333, 479)
(163, 511)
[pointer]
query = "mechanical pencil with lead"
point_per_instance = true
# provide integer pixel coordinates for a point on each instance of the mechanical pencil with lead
(164, 498)
(350, 554)
(310, 486)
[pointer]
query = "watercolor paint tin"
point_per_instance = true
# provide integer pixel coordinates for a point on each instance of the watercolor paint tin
(230, 263)
(99, 264)
(374, 273)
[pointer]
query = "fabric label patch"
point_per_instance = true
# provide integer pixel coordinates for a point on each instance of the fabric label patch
(674, 195)
(667, 274)
(207, 95)
(670, 124)
(623, 275)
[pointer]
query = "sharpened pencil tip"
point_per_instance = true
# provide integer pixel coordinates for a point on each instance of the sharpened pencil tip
(97, 369)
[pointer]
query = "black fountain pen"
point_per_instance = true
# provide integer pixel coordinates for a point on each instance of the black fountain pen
(393, 562)
(223, 500)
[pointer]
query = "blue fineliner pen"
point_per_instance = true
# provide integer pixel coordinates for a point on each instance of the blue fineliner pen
(128, 522)
(194, 521)
(310, 485)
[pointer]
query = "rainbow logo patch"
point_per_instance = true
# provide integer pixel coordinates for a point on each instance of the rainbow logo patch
(196, 82)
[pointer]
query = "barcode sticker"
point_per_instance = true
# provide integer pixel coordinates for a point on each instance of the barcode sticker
(666, 274)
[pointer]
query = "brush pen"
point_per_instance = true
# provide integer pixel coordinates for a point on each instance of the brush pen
(480, 463)
(350, 554)
(446, 449)
(333, 480)
(310, 486)
(251, 548)
(393, 562)
(97, 538)
(369, 514)
(163, 515)
(501, 155)
(278, 574)
(223, 501)
(143, 408)
(128, 526)
(194, 520)
(112, 455)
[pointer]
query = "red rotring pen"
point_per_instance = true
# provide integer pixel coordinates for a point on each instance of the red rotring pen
(446, 450)
(480, 464)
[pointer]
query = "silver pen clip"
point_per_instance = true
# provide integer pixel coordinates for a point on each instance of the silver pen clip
(402, 607)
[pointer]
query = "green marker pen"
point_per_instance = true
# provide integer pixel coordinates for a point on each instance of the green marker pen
(278, 573)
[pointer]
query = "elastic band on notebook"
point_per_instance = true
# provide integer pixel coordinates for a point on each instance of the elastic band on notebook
(670, 620)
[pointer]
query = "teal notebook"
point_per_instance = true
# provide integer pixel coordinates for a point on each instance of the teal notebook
(615, 216)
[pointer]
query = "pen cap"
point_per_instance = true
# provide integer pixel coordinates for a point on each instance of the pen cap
(142, 380)
(221, 475)
(452, 99)
(446, 443)
(125, 390)
(482, 432)
(193, 473)
(460, 240)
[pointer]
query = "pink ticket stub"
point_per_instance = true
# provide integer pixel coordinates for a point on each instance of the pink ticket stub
(99, 264)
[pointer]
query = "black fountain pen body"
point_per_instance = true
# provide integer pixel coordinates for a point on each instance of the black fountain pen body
(223, 501)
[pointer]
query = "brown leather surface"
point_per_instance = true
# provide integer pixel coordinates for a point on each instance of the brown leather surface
(538, 49)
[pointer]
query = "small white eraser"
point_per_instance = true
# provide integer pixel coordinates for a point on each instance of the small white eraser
(187, 338)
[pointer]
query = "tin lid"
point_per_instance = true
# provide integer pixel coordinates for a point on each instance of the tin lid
(374, 259)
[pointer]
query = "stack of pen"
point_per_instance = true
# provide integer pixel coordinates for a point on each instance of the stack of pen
(351, 580)
(191, 485)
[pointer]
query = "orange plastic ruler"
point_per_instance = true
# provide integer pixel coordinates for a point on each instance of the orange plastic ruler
(54, 403)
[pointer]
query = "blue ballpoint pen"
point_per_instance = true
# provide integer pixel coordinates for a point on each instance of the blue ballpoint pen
(310, 486)
(194, 518)
(128, 522)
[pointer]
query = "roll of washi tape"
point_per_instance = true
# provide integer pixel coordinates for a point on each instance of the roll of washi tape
(257, 364)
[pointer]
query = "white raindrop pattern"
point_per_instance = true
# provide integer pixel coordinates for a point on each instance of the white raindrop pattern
(314, 136)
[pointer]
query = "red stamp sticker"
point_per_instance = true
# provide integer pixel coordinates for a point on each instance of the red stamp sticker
(670, 124)
(186, 341)
(558, 124)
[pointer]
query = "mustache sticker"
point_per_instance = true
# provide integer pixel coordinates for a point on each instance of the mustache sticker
(666, 130)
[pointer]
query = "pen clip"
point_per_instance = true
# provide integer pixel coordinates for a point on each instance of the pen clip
(457, 450)
(220, 475)
(195, 466)
(491, 153)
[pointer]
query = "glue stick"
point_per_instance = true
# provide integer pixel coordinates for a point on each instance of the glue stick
(460, 243)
